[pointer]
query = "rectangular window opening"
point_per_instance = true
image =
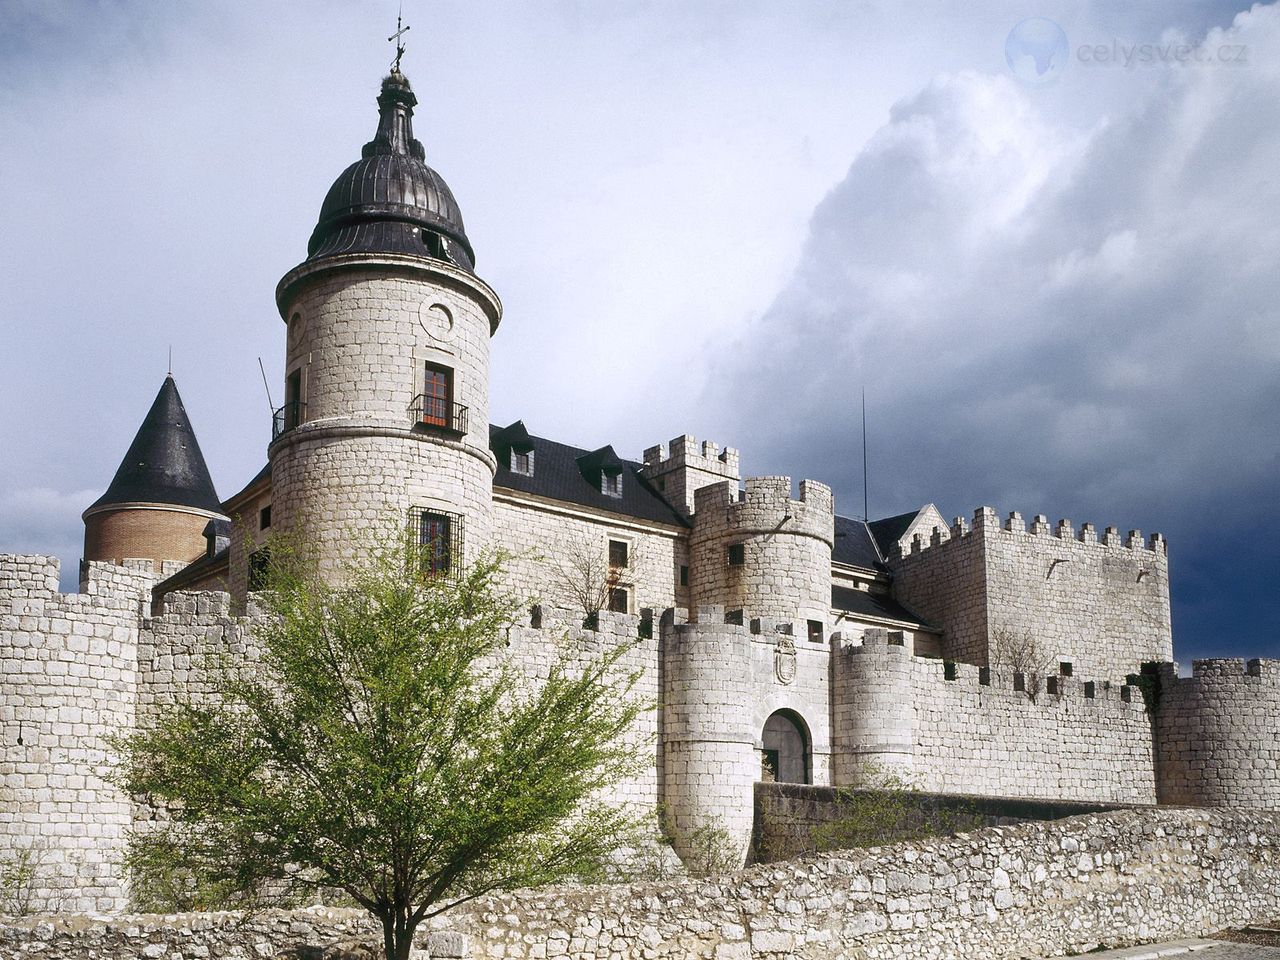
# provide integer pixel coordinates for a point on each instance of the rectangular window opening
(737, 554)
(815, 631)
(619, 600)
(259, 569)
(684, 574)
(611, 483)
(440, 543)
(522, 462)
(264, 517)
(437, 395)
(619, 554)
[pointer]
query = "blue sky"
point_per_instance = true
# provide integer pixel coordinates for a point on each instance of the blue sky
(717, 218)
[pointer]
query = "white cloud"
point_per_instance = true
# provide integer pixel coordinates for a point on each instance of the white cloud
(1047, 316)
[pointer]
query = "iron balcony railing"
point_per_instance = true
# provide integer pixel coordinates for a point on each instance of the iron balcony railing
(437, 413)
(287, 417)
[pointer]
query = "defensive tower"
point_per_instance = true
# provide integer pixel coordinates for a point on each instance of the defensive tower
(386, 411)
(763, 552)
(161, 498)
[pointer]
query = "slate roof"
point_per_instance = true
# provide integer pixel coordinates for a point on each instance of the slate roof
(854, 544)
(865, 604)
(384, 201)
(164, 463)
(565, 473)
(891, 529)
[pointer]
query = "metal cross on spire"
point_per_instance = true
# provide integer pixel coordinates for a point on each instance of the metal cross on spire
(395, 38)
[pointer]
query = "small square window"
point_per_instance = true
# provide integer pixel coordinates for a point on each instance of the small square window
(684, 575)
(619, 553)
(611, 483)
(522, 462)
(737, 554)
(815, 631)
(619, 600)
(264, 517)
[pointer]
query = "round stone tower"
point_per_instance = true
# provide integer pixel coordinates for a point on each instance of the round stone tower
(386, 413)
(161, 497)
(762, 552)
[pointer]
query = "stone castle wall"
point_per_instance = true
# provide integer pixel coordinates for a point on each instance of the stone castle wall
(1220, 734)
(720, 684)
(543, 540)
(68, 682)
(975, 733)
(786, 543)
(1098, 603)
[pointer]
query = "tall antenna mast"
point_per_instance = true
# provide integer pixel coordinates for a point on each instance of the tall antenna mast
(866, 515)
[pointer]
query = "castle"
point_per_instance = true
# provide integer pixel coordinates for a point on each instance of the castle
(781, 639)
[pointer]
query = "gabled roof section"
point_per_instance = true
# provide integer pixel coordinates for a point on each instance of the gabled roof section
(604, 460)
(889, 530)
(515, 437)
(560, 473)
(854, 544)
(164, 463)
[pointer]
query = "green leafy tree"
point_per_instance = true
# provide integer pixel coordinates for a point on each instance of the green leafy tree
(383, 746)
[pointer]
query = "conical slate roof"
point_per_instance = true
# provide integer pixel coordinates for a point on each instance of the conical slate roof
(164, 464)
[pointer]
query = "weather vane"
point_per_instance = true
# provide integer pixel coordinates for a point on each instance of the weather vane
(395, 38)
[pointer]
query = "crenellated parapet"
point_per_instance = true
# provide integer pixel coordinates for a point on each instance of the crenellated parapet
(68, 682)
(1097, 600)
(957, 728)
(684, 466)
(1220, 734)
(763, 549)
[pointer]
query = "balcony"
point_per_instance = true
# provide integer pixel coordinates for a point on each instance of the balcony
(439, 415)
(286, 418)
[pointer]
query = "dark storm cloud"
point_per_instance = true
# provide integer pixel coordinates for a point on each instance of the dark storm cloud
(1079, 323)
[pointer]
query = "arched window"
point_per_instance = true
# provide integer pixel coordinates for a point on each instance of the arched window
(786, 749)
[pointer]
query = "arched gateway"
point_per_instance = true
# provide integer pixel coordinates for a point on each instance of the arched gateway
(786, 749)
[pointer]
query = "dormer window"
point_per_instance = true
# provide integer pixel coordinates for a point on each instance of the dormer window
(522, 462)
(611, 483)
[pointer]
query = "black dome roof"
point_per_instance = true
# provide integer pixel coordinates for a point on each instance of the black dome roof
(164, 463)
(390, 201)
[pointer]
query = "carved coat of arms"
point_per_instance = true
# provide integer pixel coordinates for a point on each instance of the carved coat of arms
(784, 659)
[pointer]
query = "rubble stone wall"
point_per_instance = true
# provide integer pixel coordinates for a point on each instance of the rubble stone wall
(1036, 889)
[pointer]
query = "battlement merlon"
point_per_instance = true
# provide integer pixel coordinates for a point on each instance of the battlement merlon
(686, 451)
(986, 523)
(680, 469)
(29, 575)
